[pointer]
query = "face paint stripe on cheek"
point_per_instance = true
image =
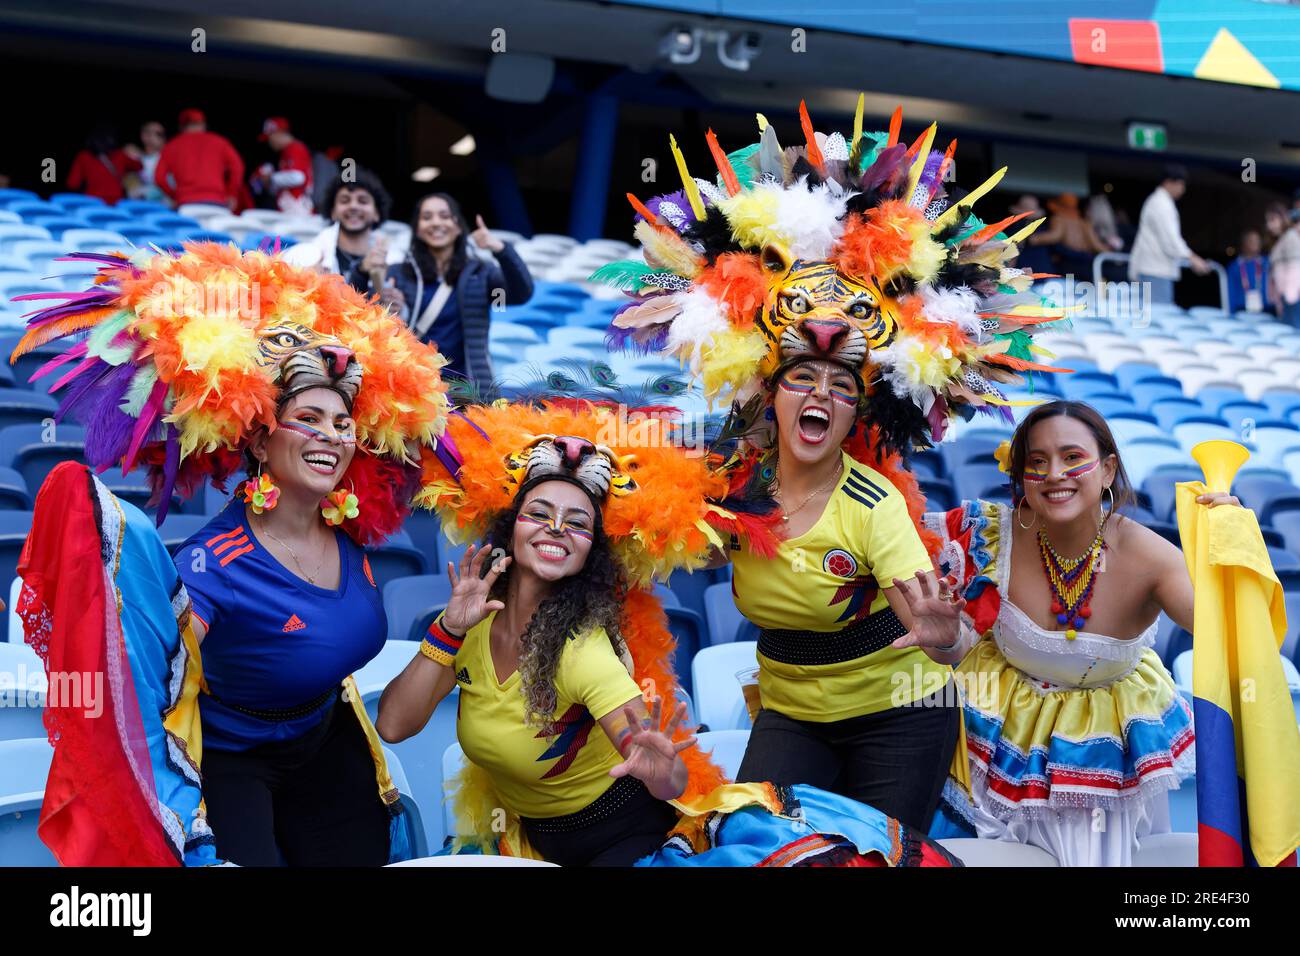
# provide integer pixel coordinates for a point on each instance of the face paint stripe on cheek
(1081, 469)
(304, 429)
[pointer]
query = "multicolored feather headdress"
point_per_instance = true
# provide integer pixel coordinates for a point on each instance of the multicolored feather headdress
(187, 356)
(662, 507)
(850, 249)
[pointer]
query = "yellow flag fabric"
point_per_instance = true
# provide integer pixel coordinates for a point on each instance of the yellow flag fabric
(1247, 740)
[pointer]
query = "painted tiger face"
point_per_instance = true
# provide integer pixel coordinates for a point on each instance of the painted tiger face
(596, 467)
(815, 311)
(305, 358)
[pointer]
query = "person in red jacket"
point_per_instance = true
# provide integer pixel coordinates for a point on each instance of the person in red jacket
(291, 182)
(198, 166)
(98, 169)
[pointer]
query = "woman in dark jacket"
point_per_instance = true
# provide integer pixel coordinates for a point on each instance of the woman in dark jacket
(446, 294)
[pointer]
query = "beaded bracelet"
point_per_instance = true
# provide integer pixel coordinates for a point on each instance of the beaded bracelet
(439, 645)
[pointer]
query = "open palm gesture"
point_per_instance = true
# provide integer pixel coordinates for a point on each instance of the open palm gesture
(469, 602)
(936, 612)
(650, 754)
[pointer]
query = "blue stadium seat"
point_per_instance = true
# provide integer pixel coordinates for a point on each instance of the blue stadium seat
(94, 240)
(425, 531)
(1215, 397)
(258, 241)
(1129, 374)
(107, 218)
(1260, 494)
(689, 586)
(142, 207)
(58, 225)
(1170, 411)
(11, 263)
(1108, 405)
(145, 235)
(397, 558)
(688, 630)
(939, 495)
(1153, 389)
(1284, 562)
(1192, 432)
(926, 465)
(1287, 523)
(37, 208)
(1281, 403)
(665, 596)
(412, 603)
(1145, 457)
(727, 747)
(720, 610)
(412, 820)
(25, 449)
(9, 197)
(1159, 487)
(15, 284)
(972, 481)
(76, 201)
(1134, 426)
(13, 492)
(22, 406)
(24, 684)
(719, 701)
(969, 449)
(1272, 440)
(134, 488)
(26, 765)
(422, 754)
(1080, 385)
(1242, 410)
(176, 529)
(206, 235)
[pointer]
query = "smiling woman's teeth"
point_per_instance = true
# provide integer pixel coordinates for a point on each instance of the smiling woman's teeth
(1059, 495)
(551, 551)
(321, 461)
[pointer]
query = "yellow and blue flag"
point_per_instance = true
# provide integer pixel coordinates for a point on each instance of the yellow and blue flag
(1247, 740)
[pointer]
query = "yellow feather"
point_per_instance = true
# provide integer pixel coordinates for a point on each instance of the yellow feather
(692, 190)
(762, 121)
(950, 216)
(668, 251)
(918, 164)
(1027, 231)
(729, 359)
(927, 256)
(857, 121)
(752, 215)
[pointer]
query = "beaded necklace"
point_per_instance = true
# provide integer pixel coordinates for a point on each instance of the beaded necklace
(1072, 581)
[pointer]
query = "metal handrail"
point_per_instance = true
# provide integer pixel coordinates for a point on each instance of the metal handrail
(1103, 257)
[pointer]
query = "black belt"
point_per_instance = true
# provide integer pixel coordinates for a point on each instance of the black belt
(276, 714)
(623, 790)
(812, 648)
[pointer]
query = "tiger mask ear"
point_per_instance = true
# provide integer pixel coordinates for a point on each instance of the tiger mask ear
(776, 259)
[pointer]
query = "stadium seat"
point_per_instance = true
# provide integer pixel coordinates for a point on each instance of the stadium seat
(412, 822)
(721, 613)
(23, 684)
(1108, 405)
(1287, 523)
(145, 235)
(1261, 494)
(9, 197)
(1082, 384)
(205, 235)
(31, 208)
(412, 603)
(22, 406)
(973, 480)
(14, 284)
(265, 242)
(966, 450)
(726, 747)
(974, 852)
(689, 631)
(77, 201)
(1281, 402)
(1159, 486)
(1168, 849)
(1272, 440)
(176, 529)
(1236, 412)
(1284, 562)
(396, 558)
(25, 448)
(1132, 373)
(421, 755)
(141, 207)
(926, 465)
(938, 493)
(1132, 426)
(94, 240)
(26, 765)
(1169, 412)
(1190, 433)
(719, 701)
(13, 491)
(108, 217)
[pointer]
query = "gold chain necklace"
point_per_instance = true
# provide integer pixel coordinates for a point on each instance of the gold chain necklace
(294, 554)
(834, 478)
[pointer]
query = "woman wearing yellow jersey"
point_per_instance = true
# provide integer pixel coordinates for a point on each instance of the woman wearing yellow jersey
(855, 632)
(539, 668)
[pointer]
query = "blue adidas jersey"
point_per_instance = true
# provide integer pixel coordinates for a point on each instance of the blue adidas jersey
(274, 641)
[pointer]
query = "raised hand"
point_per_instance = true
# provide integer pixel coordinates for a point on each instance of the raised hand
(649, 753)
(483, 238)
(1212, 498)
(469, 602)
(936, 612)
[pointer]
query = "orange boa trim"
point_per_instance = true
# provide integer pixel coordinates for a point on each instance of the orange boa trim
(878, 243)
(645, 630)
(736, 280)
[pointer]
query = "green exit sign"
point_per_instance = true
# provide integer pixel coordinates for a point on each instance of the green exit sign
(1147, 136)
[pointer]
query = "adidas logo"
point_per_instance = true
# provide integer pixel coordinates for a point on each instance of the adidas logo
(463, 676)
(293, 624)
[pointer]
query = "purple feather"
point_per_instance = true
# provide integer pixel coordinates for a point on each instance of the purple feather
(94, 399)
(678, 198)
(624, 340)
(76, 352)
(171, 466)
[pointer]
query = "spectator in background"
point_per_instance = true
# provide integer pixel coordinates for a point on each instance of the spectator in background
(290, 181)
(1284, 272)
(1101, 216)
(351, 246)
(1070, 236)
(198, 166)
(324, 170)
(1276, 221)
(1032, 258)
(99, 168)
(140, 183)
(1159, 248)
(446, 293)
(1248, 276)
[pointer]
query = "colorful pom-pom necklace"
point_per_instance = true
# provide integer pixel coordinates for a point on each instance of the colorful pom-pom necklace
(1072, 581)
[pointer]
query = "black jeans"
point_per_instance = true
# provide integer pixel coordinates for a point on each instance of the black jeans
(896, 760)
(622, 825)
(311, 801)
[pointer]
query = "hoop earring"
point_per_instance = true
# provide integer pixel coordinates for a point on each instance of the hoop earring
(1111, 492)
(1023, 526)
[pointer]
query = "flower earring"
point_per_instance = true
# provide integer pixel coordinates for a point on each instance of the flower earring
(260, 492)
(338, 506)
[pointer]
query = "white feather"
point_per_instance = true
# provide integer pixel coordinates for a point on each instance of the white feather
(959, 307)
(812, 219)
(700, 319)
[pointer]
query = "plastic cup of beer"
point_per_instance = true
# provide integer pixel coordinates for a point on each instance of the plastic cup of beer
(749, 687)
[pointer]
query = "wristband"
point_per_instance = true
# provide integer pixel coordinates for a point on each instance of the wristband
(439, 645)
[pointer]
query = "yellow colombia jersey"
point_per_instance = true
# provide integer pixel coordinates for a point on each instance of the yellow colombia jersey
(538, 776)
(827, 579)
